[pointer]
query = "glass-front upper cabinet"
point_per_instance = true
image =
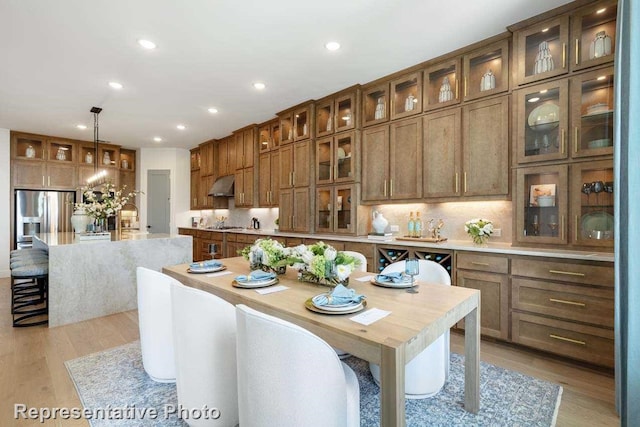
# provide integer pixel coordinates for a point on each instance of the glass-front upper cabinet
(335, 212)
(592, 203)
(542, 122)
(335, 158)
(29, 147)
(406, 95)
(441, 85)
(286, 128)
(541, 204)
(375, 104)
(264, 137)
(541, 51)
(486, 71)
(301, 119)
(592, 113)
(594, 34)
(60, 150)
(345, 108)
(324, 118)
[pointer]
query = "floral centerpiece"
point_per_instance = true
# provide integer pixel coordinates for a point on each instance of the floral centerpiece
(266, 254)
(479, 229)
(104, 205)
(321, 263)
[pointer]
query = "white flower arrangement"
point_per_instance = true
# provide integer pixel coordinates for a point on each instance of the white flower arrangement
(322, 263)
(108, 204)
(479, 229)
(266, 254)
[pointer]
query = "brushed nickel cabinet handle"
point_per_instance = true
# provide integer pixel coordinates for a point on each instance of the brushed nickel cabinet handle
(558, 337)
(564, 55)
(566, 273)
(561, 301)
(577, 51)
(485, 264)
(457, 182)
(575, 139)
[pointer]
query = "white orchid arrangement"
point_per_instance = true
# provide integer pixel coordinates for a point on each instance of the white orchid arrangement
(321, 263)
(479, 229)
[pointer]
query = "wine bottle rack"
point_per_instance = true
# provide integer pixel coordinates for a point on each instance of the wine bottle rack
(390, 254)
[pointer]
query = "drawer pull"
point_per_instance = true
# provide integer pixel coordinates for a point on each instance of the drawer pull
(485, 264)
(558, 337)
(561, 301)
(567, 273)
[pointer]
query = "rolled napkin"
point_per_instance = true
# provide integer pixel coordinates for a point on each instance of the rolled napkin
(396, 277)
(339, 295)
(212, 263)
(256, 275)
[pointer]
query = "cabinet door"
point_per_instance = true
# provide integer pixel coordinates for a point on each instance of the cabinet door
(406, 95)
(324, 118)
(541, 204)
(223, 159)
(375, 163)
(324, 161)
(486, 71)
(62, 176)
(441, 157)
(494, 294)
(301, 123)
(195, 189)
(28, 174)
(238, 189)
(239, 155)
(285, 218)
(206, 201)
(286, 128)
(264, 138)
(541, 121)
(302, 209)
(275, 179)
(442, 84)
(485, 132)
(302, 167)
(541, 51)
(249, 140)
(594, 33)
(286, 166)
(231, 154)
(345, 112)
(375, 104)
(345, 209)
(345, 157)
(324, 209)
(405, 159)
(264, 180)
(248, 192)
(592, 114)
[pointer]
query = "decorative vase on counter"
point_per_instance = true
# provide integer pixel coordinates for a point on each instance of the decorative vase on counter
(379, 222)
(80, 220)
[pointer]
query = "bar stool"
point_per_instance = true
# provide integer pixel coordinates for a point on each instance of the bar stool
(29, 293)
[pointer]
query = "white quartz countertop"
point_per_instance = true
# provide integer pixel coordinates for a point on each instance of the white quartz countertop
(458, 245)
(61, 239)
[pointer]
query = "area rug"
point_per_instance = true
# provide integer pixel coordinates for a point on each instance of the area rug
(115, 379)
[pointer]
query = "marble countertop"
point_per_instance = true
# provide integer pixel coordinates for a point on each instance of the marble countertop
(61, 239)
(458, 245)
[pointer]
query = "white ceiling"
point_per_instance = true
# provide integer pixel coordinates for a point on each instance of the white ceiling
(56, 58)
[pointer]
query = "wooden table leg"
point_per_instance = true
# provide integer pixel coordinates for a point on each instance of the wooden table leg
(472, 361)
(392, 387)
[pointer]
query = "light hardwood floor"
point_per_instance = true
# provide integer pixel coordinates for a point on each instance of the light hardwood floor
(32, 368)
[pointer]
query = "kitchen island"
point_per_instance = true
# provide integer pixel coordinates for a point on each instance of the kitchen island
(96, 278)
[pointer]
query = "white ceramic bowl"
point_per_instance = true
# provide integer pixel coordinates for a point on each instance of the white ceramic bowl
(546, 201)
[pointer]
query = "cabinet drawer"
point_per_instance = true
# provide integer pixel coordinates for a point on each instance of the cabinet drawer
(491, 263)
(564, 270)
(187, 231)
(579, 303)
(588, 343)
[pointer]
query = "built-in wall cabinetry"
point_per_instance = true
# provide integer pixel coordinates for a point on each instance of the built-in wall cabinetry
(336, 210)
(245, 142)
(442, 84)
(244, 188)
(245, 153)
(195, 179)
(406, 95)
(486, 71)
(226, 153)
(338, 112)
(337, 159)
(296, 178)
(269, 136)
(269, 179)
(593, 31)
(375, 104)
(296, 124)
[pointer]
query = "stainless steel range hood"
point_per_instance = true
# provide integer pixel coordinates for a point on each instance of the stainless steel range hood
(223, 187)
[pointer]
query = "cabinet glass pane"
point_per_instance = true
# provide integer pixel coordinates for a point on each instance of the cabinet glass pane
(544, 51)
(487, 71)
(597, 35)
(301, 125)
(61, 151)
(324, 118)
(324, 160)
(343, 209)
(595, 213)
(286, 129)
(542, 204)
(376, 104)
(344, 114)
(542, 118)
(264, 137)
(596, 113)
(324, 208)
(406, 93)
(344, 157)
(30, 148)
(441, 85)
(275, 135)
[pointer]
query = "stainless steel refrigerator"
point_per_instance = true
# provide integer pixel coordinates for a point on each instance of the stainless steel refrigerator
(41, 212)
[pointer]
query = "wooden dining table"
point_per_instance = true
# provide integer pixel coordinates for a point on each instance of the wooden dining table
(416, 320)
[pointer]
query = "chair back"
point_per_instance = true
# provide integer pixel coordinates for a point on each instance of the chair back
(287, 376)
(359, 257)
(156, 330)
(204, 331)
(430, 271)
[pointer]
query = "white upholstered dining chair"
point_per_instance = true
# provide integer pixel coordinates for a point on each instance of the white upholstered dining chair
(204, 332)
(154, 321)
(360, 257)
(427, 372)
(289, 377)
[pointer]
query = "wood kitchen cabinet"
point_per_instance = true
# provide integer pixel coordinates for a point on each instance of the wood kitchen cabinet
(442, 154)
(207, 158)
(337, 113)
(336, 158)
(61, 151)
(296, 124)
(486, 71)
(244, 188)
(108, 156)
(28, 147)
(226, 152)
(268, 179)
(375, 104)
(442, 84)
(195, 190)
(406, 95)
(269, 136)
(295, 205)
(591, 26)
(296, 176)
(336, 210)
(245, 142)
(393, 158)
(295, 165)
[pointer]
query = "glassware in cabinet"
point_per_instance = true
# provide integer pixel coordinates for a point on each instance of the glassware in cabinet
(324, 160)
(441, 85)
(406, 95)
(592, 113)
(264, 137)
(62, 151)
(286, 128)
(541, 204)
(542, 51)
(345, 109)
(344, 157)
(486, 71)
(594, 34)
(542, 122)
(28, 147)
(324, 118)
(302, 123)
(592, 203)
(375, 104)
(324, 209)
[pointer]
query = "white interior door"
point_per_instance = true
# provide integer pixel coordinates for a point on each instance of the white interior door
(158, 201)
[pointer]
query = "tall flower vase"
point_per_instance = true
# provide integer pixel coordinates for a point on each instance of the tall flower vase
(100, 225)
(480, 240)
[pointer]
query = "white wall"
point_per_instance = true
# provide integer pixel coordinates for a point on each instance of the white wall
(177, 161)
(5, 187)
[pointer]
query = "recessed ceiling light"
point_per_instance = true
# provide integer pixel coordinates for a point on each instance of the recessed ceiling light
(81, 127)
(147, 44)
(181, 127)
(116, 85)
(332, 46)
(259, 85)
(536, 99)
(601, 77)
(213, 110)
(601, 10)
(157, 139)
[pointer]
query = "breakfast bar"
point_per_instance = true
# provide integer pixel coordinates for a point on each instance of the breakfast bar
(94, 278)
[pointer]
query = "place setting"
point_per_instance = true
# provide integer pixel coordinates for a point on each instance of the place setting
(255, 279)
(202, 267)
(341, 300)
(398, 279)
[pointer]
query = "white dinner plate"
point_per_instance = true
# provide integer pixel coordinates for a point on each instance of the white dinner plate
(390, 284)
(358, 307)
(202, 270)
(252, 284)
